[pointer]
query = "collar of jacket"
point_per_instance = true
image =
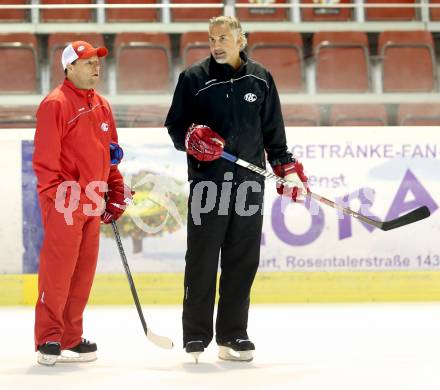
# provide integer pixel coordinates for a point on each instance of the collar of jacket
(226, 71)
(85, 93)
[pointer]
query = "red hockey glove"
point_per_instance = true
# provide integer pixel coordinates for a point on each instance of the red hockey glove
(294, 173)
(203, 143)
(117, 202)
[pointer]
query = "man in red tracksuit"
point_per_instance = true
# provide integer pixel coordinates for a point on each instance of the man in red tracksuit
(75, 128)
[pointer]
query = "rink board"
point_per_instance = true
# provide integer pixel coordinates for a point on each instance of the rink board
(305, 257)
(269, 287)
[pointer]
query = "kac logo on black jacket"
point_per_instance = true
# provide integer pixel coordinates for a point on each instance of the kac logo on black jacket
(250, 97)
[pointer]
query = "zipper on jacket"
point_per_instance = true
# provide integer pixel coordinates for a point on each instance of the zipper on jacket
(90, 99)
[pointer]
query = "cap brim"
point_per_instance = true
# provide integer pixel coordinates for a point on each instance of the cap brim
(99, 51)
(102, 52)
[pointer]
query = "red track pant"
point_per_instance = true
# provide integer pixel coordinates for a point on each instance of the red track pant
(67, 267)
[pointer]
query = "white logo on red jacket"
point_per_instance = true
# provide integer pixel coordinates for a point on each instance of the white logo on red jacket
(104, 126)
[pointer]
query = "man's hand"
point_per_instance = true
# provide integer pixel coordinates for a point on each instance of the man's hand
(203, 143)
(293, 172)
(117, 202)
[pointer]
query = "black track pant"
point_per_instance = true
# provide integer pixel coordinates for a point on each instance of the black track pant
(231, 228)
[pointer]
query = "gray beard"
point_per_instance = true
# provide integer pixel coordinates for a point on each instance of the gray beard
(221, 60)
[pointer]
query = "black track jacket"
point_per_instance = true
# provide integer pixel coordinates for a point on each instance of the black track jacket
(241, 105)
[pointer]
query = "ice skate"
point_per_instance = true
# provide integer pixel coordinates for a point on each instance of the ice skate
(195, 348)
(238, 350)
(84, 352)
(48, 353)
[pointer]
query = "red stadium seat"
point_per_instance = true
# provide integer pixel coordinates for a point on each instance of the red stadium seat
(326, 14)
(56, 45)
(67, 15)
(301, 115)
(256, 14)
(342, 61)
(358, 115)
(193, 47)
(143, 62)
(378, 14)
(19, 71)
(14, 15)
(17, 117)
(131, 14)
(282, 54)
(408, 61)
(423, 114)
(434, 13)
(195, 14)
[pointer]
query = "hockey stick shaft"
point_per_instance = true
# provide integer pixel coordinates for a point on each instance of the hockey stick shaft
(413, 216)
(160, 341)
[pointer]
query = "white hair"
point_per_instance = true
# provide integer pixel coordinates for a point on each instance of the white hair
(234, 25)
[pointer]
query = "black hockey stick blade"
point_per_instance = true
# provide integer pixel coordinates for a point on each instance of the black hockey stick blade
(160, 341)
(413, 216)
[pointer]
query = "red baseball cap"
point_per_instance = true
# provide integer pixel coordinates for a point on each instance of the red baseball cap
(81, 50)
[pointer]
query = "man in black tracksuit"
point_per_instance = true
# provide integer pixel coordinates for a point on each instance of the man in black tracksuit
(236, 98)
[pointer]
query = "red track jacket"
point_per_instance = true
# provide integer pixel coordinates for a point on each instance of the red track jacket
(72, 140)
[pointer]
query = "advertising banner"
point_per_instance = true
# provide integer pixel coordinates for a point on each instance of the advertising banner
(380, 172)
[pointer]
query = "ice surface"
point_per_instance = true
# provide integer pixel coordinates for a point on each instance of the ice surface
(325, 347)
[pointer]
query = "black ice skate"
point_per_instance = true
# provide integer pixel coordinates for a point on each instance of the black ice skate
(239, 350)
(195, 348)
(84, 352)
(48, 353)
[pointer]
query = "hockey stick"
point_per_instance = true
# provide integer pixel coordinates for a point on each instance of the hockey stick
(160, 341)
(413, 216)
